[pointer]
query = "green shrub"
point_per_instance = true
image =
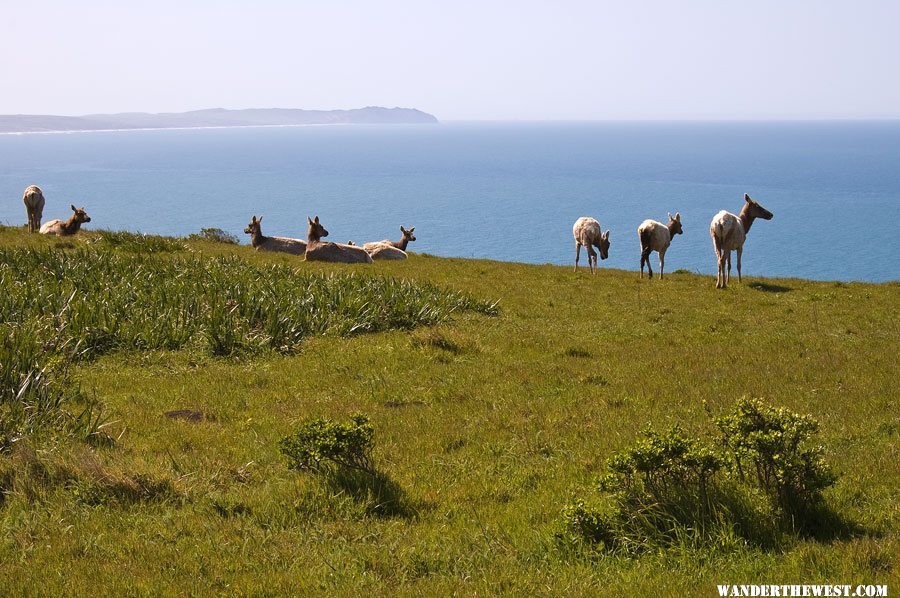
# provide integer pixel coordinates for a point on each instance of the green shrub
(669, 488)
(325, 446)
(770, 447)
(341, 454)
(658, 490)
(663, 467)
(216, 235)
(582, 523)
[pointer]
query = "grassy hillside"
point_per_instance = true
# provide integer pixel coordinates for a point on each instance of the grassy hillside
(485, 425)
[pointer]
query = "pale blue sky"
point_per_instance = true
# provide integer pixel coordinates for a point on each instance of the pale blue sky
(464, 59)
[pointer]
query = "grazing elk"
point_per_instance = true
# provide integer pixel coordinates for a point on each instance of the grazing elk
(34, 207)
(68, 227)
(324, 251)
(728, 234)
(656, 236)
(261, 242)
(587, 233)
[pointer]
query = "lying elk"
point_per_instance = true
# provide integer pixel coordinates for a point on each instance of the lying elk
(261, 242)
(71, 226)
(324, 251)
(391, 250)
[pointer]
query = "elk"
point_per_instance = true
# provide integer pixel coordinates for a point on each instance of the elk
(34, 207)
(656, 236)
(391, 250)
(728, 234)
(66, 228)
(383, 251)
(324, 251)
(587, 233)
(404, 240)
(261, 242)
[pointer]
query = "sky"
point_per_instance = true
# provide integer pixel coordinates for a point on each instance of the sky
(459, 60)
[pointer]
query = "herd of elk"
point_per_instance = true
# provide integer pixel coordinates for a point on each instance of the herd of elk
(728, 232)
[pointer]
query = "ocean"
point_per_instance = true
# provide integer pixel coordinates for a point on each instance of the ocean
(503, 191)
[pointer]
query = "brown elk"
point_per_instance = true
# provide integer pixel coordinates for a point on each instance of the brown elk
(34, 207)
(656, 236)
(728, 234)
(62, 228)
(587, 234)
(261, 242)
(324, 251)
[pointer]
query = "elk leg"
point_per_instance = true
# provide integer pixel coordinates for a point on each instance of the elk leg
(728, 262)
(577, 255)
(739, 252)
(720, 268)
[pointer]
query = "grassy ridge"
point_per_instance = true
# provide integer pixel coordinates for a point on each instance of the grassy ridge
(487, 426)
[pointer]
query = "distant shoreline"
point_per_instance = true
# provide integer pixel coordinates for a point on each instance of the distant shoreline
(214, 118)
(67, 131)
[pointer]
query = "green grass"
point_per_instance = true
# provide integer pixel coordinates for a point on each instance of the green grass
(100, 301)
(485, 428)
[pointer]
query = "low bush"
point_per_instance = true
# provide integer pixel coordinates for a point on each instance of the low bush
(584, 523)
(662, 467)
(771, 447)
(340, 454)
(669, 488)
(654, 491)
(325, 446)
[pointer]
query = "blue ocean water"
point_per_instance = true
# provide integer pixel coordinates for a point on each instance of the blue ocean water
(506, 191)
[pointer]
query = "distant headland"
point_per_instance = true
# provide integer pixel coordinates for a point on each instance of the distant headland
(213, 117)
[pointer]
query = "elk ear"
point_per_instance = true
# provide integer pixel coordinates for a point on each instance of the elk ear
(677, 217)
(316, 220)
(606, 235)
(412, 229)
(747, 198)
(402, 230)
(259, 219)
(670, 215)
(74, 209)
(308, 219)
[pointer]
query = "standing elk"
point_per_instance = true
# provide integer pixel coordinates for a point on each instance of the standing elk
(34, 207)
(656, 236)
(728, 234)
